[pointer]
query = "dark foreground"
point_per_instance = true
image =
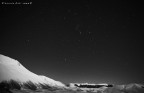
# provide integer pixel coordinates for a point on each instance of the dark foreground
(130, 88)
(108, 90)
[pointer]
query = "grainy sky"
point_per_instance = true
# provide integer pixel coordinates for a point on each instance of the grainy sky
(83, 41)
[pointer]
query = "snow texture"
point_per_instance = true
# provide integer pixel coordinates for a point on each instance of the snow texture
(11, 69)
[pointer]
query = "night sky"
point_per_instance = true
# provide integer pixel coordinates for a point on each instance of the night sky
(76, 41)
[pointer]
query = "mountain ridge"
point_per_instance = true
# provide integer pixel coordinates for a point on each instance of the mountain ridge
(15, 77)
(11, 69)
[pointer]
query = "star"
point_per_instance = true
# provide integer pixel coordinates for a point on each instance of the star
(89, 32)
(75, 13)
(64, 18)
(65, 59)
(79, 40)
(28, 41)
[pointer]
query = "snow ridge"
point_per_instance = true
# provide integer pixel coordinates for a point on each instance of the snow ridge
(11, 69)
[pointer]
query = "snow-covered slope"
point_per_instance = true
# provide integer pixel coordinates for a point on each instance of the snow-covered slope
(11, 69)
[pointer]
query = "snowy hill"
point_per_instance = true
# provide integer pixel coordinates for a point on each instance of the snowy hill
(11, 69)
(15, 77)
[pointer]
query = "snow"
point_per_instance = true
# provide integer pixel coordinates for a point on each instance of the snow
(11, 69)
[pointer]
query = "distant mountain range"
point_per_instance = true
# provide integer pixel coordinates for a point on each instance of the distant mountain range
(108, 88)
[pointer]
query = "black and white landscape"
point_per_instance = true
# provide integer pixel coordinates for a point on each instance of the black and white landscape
(15, 78)
(71, 46)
